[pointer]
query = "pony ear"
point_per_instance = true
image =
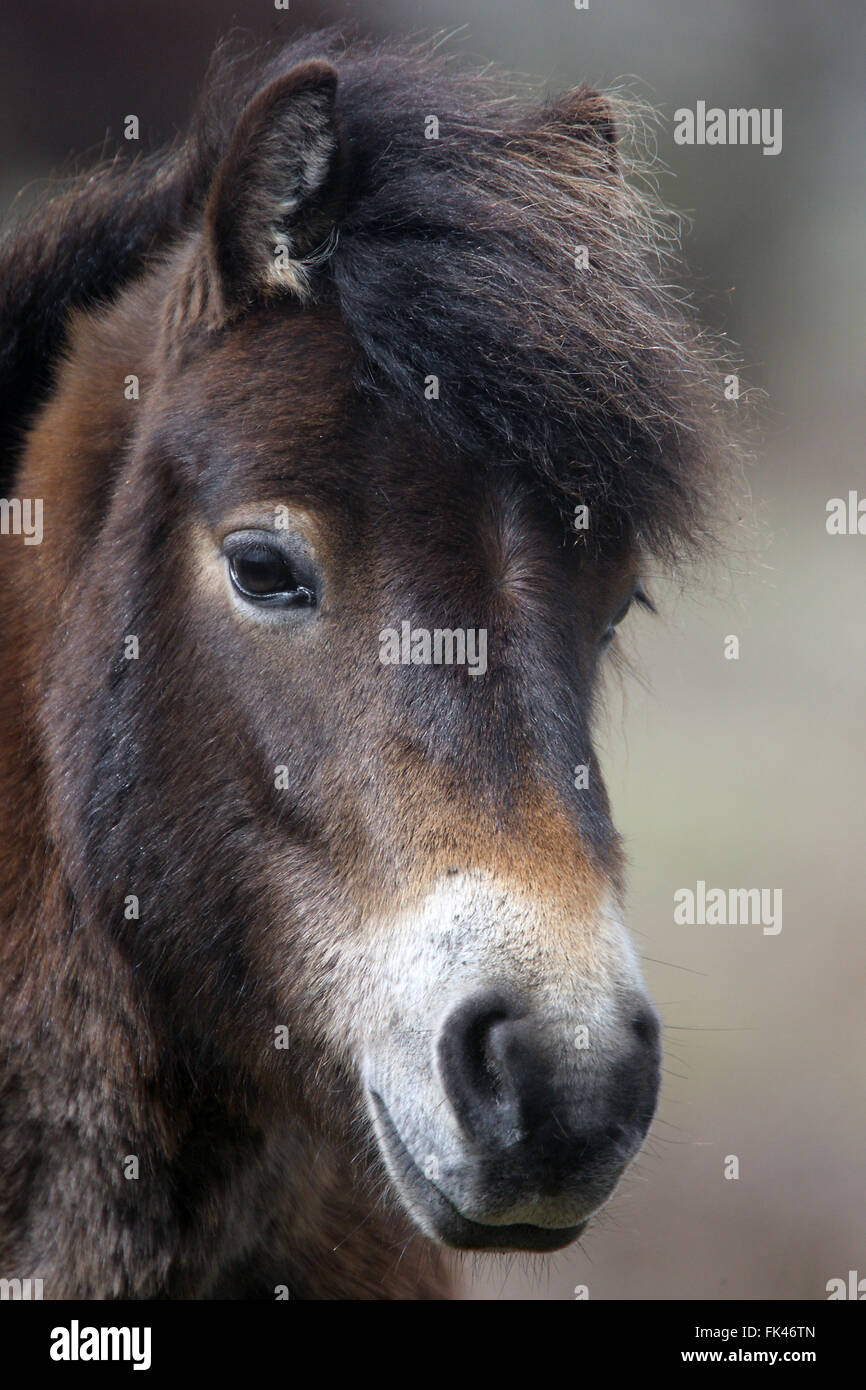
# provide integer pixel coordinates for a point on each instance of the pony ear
(271, 204)
(583, 113)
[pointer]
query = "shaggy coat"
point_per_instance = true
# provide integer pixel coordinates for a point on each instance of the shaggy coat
(428, 346)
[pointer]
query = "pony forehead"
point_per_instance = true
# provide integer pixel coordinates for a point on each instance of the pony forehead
(498, 276)
(501, 280)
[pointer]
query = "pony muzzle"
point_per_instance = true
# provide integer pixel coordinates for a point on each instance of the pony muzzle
(506, 1113)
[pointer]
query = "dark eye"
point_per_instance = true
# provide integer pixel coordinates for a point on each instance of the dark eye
(262, 574)
(609, 632)
(639, 595)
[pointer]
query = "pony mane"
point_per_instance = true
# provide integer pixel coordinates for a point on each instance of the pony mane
(455, 258)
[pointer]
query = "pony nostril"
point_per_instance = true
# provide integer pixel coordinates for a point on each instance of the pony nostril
(473, 1053)
(483, 1066)
(516, 1101)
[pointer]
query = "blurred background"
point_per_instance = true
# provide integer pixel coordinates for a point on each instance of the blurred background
(744, 773)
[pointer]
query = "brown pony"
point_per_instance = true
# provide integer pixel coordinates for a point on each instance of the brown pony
(335, 442)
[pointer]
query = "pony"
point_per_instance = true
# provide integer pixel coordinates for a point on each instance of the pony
(313, 961)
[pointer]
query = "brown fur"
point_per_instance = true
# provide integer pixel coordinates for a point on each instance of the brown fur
(154, 1038)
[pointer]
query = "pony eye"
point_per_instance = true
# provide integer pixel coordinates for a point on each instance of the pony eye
(610, 631)
(261, 574)
(639, 595)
